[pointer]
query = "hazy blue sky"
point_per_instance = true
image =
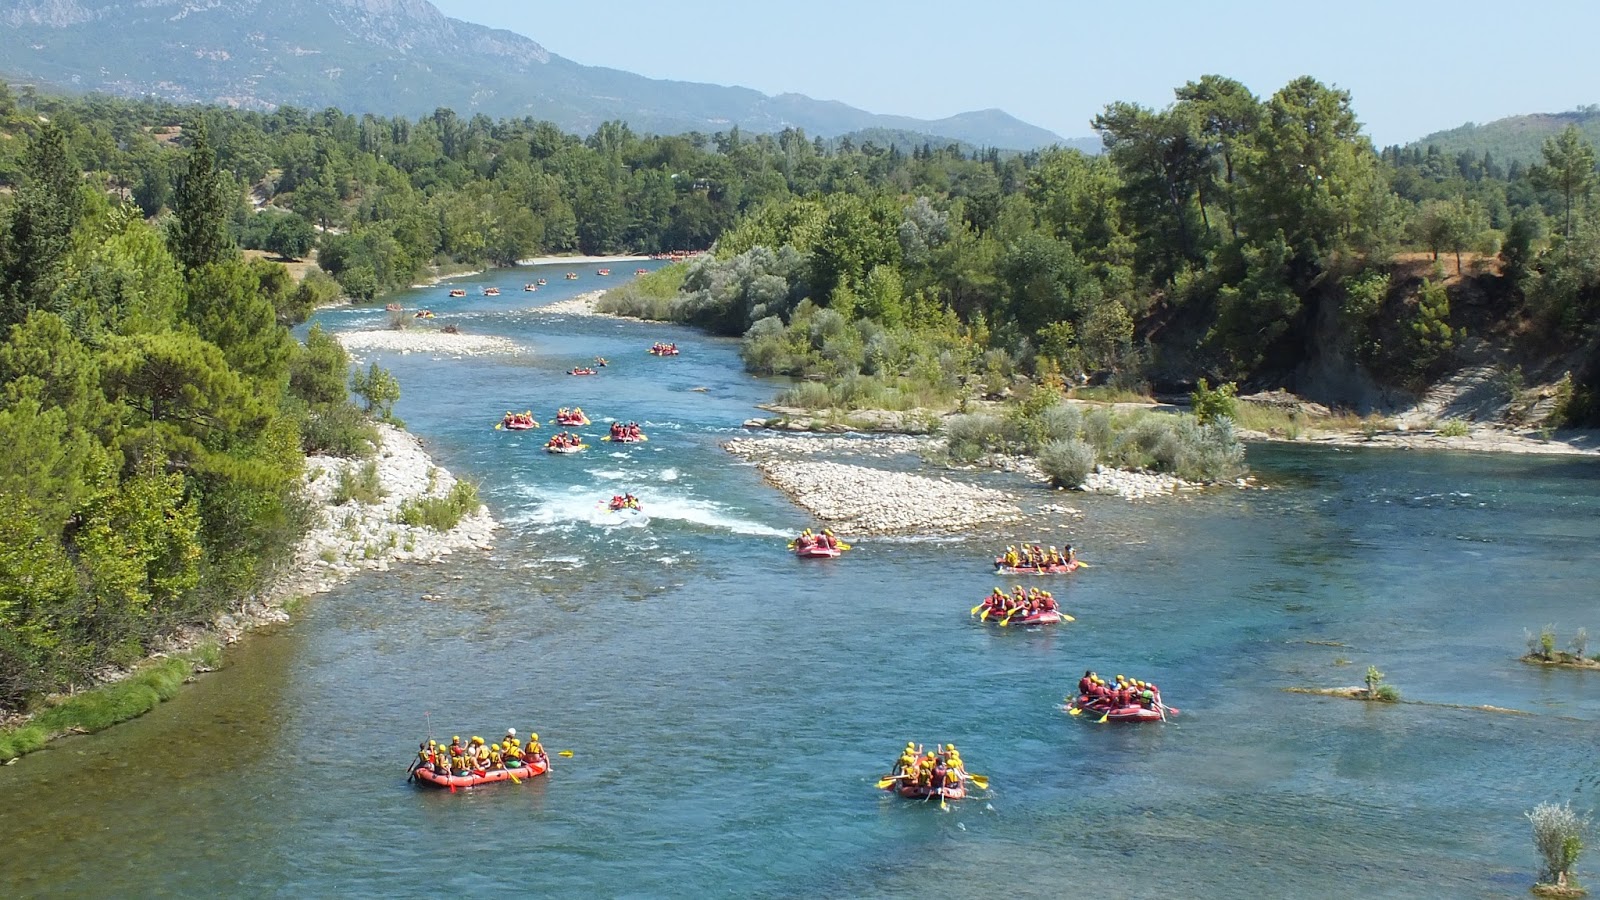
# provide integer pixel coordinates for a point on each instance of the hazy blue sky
(1412, 67)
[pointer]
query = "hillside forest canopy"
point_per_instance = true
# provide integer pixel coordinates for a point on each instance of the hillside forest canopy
(154, 410)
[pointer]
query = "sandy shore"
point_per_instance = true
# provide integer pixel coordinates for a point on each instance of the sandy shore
(418, 340)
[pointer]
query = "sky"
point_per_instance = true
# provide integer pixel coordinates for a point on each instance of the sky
(1412, 68)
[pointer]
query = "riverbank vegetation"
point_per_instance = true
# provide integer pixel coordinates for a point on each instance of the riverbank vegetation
(154, 414)
(1559, 836)
(1070, 442)
(1543, 649)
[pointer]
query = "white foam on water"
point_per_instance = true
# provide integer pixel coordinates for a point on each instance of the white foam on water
(670, 474)
(586, 506)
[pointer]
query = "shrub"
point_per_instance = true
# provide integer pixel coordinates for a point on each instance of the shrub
(1097, 430)
(1058, 422)
(1453, 428)
(361, 485)
(339, 430)
(971, 436)
(807, 395)
(1210, 404)
(1067, 462)
(441, 513)
(1213, 454)
(1558, 835)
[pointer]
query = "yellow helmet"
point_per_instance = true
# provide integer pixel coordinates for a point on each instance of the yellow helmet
(534, 736)
(494, 746)
(432, 744)
(949, 748)
(455, 738)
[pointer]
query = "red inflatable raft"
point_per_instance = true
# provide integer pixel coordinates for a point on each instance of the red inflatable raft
(817, 551)
(572, 421)
(922, 792)
(535, 767)
(1133, 713)
(1047, 617)
(1001, 568)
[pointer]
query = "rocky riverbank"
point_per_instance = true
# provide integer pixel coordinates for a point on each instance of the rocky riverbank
(581, 305)
(417, 340)
(860, 500)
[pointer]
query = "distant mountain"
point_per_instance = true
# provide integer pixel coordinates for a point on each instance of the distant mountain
(1517, 138)
(401, 57)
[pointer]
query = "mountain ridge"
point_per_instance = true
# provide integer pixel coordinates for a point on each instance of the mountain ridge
(405, 57)
(1515, 138)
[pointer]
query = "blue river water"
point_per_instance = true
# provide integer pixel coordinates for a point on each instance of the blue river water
(729, 707)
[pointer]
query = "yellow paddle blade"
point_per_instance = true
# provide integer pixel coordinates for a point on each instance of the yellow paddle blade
(566, 753)
(1074, 711)
(982, 781)
(985, 616)
(884, 784)
(1067, 618)
(975, 609)
(943, 805)
(843, 546)
(1005, 622)
(1102, 719)
(514, 779)
(499, 425)
(1083, 565)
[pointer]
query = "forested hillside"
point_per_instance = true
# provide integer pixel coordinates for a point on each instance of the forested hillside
(1515, 139)
(154, 411)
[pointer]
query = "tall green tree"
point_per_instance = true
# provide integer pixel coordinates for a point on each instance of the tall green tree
(1568, 169)
(202, 206)
(1227, 115)
(1312, 176)
(38, 233)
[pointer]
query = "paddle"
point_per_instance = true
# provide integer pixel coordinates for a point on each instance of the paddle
(975, 609)
(884, 783)
(1075, 711)
(514, 778)
(499, 426)
(566, 753)
(411, 773)
(1102, 719)
(982, 781)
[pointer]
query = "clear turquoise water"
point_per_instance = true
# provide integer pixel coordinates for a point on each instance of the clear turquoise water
(729, 707)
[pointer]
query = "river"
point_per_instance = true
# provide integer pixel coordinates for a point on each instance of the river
(728, 707)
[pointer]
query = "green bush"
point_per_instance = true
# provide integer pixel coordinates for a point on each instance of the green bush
(971, 436)
(342, 431)
(806, 395)
(1558, 836)
(359, 484)
(1209, 404)
(1453, 428)
(441, 513)
(1067, 462)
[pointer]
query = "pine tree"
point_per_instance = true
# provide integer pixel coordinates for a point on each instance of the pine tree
(201, 206)
(49, 205)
